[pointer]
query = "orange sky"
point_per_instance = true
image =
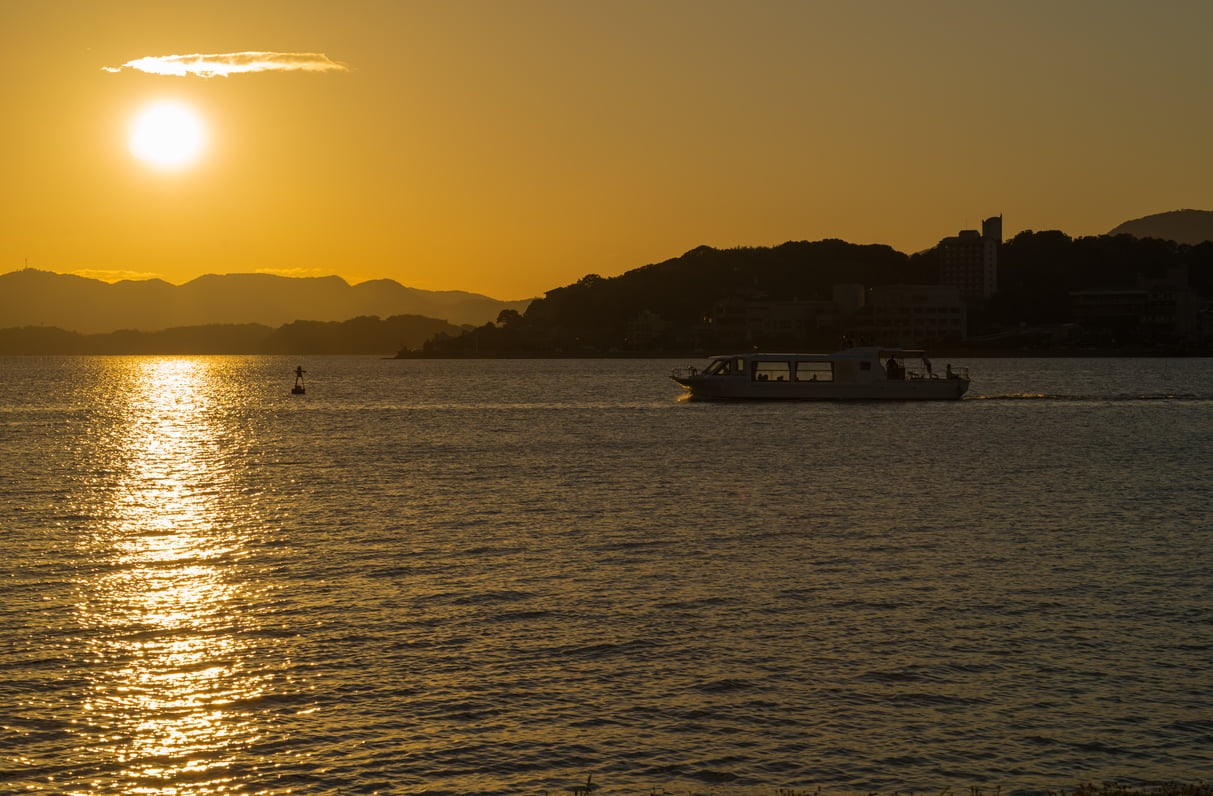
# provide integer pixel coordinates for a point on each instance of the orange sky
(508, 147)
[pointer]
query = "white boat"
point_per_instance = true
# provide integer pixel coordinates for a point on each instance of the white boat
(853, 374)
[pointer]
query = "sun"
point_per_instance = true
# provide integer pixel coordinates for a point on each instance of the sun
(167, 135)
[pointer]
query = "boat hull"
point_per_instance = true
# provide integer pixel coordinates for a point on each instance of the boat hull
(706, 388)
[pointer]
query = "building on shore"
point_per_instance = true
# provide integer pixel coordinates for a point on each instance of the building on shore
(968, 260)
(756, 321)
(914, 315)
(1157, 311)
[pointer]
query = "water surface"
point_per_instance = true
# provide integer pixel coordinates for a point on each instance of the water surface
(505, 576)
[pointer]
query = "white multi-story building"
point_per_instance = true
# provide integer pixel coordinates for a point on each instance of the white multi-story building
(969, 260)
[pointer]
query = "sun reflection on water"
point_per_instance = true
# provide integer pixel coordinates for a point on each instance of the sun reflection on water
(164, 602)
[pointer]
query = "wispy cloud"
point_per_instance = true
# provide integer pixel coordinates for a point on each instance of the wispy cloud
(224, 64)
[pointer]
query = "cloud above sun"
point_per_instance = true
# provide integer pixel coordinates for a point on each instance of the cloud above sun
(224, 64)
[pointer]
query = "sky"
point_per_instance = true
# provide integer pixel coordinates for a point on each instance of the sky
(509, 147)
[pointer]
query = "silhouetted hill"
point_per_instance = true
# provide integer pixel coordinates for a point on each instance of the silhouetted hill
(40, 298)
(1182, 226)
(691, 303)
(362, 335)
(662, 306)
(683, 288)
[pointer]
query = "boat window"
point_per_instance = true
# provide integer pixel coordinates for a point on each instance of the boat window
(772, 371)
(814, 371)
(719, 367)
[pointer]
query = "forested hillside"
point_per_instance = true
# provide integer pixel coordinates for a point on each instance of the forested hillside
(669, 301)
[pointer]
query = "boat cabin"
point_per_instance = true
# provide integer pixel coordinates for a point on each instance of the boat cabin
(851, 366)
(855, 373)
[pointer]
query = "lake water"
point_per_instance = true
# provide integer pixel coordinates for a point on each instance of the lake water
(508, 576)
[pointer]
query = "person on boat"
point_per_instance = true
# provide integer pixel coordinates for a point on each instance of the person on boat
(892, 369)
(950, 374)
(926, 363)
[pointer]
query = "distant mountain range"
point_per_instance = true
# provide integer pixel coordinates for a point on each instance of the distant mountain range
(1182, 226)
(32, 298)
(39, 298)
(362, 335)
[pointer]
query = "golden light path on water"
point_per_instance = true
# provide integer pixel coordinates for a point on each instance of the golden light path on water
(163, 606)
(471, 576)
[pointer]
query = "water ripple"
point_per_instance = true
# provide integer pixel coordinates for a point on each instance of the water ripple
(408, 582)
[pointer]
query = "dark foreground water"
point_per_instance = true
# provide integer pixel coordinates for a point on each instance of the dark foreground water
(506, 576)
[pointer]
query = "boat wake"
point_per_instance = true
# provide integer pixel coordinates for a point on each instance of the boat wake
(1027, 396)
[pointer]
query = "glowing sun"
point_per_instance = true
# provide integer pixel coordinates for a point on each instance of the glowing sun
(167, 135)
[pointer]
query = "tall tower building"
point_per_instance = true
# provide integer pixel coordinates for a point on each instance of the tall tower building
(969, 260)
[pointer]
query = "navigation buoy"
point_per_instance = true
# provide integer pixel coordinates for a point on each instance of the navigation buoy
(298, 388)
